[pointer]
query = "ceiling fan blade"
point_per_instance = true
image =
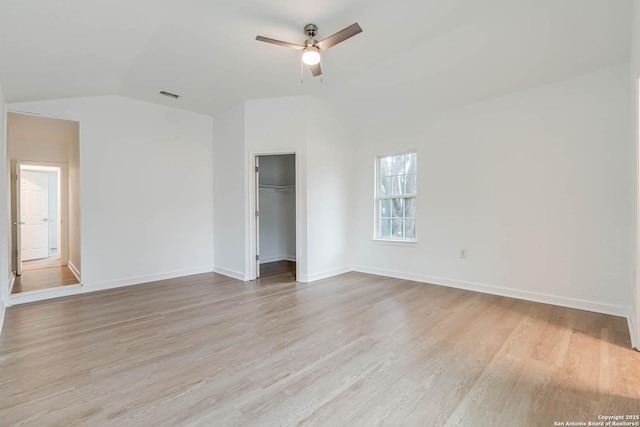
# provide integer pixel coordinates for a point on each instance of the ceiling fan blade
(339, 37)
(316, 70)
(279, 42)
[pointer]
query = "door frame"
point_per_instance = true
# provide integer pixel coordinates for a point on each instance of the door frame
(16, 221)
(252, 235)
(63, 206)
(256, 176)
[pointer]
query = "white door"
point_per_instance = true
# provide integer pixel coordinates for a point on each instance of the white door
(34, 214)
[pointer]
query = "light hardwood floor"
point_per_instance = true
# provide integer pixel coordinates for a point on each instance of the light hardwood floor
(347, 351)
(283, 270)
(43, 278)
(50, 261)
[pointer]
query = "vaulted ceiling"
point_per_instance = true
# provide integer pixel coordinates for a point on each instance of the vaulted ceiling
(414, 57)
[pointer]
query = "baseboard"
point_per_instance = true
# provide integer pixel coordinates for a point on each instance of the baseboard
(230, 273)
(268, 259)
(74, 270)
(277, 258)
(324, 274)
(137, 280)
(12, 281)
(579, 304)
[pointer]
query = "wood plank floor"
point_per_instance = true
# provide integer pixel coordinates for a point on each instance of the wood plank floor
(51, 261)
(43, 278)
(280, 270)
(354, 350)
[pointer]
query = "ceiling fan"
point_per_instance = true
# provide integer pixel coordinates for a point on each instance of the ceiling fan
(312, 48)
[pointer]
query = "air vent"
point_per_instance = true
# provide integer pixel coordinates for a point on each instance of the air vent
(169, 94)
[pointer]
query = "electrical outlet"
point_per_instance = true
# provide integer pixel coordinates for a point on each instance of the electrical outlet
(463, 253)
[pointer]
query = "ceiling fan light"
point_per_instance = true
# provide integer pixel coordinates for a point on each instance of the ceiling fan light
(311, 56)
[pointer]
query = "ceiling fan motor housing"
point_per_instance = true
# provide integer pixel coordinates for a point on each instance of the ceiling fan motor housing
(311, 30)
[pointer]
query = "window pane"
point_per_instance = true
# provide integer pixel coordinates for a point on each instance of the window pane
(410, 184)
(409, 208)
(385, 208)
(409, 228)
(385, 186)
(398, 165)
(398, 185)
(396, 228)
(385, 228)
(386, 166)
(410, 160)
(397, 208)
(396, 191)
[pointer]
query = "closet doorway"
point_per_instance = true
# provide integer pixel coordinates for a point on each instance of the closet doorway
(276, 216)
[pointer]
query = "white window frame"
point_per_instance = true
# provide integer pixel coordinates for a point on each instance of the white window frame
(379, 197)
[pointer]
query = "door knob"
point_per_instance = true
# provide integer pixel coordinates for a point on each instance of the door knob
(19, 223)
(45, 219)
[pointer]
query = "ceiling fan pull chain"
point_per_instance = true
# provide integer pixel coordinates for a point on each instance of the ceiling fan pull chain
(301, 72)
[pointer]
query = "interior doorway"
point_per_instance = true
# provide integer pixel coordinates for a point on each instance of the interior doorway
(275, 200)
(39, 216)
(37, 239)
(43, 154)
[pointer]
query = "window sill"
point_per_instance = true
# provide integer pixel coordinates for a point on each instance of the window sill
(395, 242)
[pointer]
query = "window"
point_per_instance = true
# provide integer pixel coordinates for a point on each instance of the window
(396, 197)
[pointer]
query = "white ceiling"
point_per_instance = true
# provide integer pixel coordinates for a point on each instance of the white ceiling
(415, 57)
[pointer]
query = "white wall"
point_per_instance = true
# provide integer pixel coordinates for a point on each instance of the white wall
(276, 126)
(323, 189)
(146, 189)
(330, 192)
(635, 130)
(537, 186)
(5, 270)
(229, 193)
(270, 126)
